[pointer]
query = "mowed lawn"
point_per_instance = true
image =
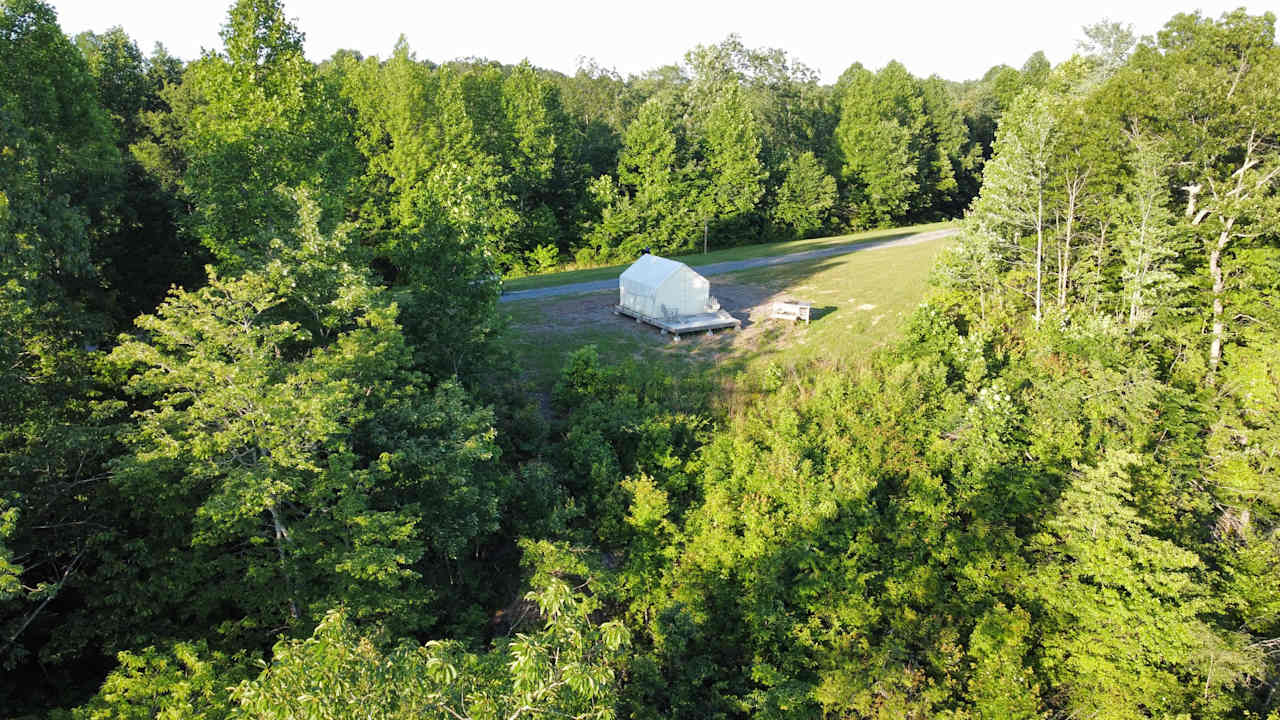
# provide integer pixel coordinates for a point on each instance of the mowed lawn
(859, 303)
(744, 252)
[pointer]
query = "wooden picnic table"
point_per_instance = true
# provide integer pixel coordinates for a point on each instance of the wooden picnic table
(791, 310)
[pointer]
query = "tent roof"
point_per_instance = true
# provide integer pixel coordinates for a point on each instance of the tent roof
(650, 271)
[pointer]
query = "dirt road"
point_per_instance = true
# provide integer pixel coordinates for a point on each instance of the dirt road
(733, 265)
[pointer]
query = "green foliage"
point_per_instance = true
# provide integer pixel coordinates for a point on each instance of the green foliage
(806, 197)
(144, 235)
(541, 174)
(628, 432)
(1226, 70)
(901, 143)
(250, 119)
(479, 153)
(124, 87)
(1149, 246)
(1002, 686)
(59, 170)
(282, 414)
(185, 681)
(420, 142)
(433, 204)
(690, 170)
(1011, 217)
(1133, 616)
(564, 669)
(1108, 44)
(648, 204)
(10, 572)
(1122, 627)
(600, 104)
(1055, 497)
(730, 182)
(57, 158)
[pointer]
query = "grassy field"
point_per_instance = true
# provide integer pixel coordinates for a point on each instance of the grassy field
(859, 302)
(744, 252)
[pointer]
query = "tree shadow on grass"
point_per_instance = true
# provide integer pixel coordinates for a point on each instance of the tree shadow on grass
(819, 313)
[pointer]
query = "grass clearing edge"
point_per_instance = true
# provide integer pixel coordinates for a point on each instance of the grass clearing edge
(741, 252)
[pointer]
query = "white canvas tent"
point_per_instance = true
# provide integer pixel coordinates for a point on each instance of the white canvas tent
(657, 287)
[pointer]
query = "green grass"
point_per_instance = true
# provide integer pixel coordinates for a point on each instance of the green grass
(744, 252)
(843, 332)
(844, 329)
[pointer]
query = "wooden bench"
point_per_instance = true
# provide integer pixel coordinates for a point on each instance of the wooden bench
(791, 310)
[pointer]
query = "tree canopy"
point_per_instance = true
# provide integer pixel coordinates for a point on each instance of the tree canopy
(268, 447)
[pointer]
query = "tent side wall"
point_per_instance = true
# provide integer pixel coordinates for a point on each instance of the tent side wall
(635, 294)
(634, 298)
(683, 293)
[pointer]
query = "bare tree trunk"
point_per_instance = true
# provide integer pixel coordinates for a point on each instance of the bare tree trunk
(1215, 272)
(1039, 259)
(1192, 192)
(1097, 265)
(1064, 256)
(1075, 187)
(1135, 297)
(282, 536)
(1240, 193)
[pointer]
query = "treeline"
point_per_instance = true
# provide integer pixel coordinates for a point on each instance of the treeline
(731, 146)
(263, 452)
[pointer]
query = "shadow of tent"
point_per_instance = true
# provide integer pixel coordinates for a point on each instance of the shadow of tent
(744, 316)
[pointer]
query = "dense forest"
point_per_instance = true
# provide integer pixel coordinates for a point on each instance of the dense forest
(265, 450)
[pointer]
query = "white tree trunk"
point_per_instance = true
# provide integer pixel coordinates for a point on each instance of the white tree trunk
(1215, 273)
(1039, 258)
(1075, 187)
(282, 536)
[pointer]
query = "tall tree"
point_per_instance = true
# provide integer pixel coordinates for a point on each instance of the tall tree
(602, 104)
(1086, 167)
(900, 146)
(1147, 237)
(290, 445)
(806, 197)
(59, 173)
(957, 160)
(124, 87)
(731, 173)
(430, 204)
(60, 162)
(1217, 83)
(1109, 44)
(146, 234)
(1123, 633)
(648, 204)
(1016, 182)
(545, 174)
(251, 118)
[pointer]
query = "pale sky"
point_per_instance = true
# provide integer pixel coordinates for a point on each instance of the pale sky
(957, 40)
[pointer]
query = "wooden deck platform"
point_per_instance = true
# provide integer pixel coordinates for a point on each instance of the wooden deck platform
(684, 324)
